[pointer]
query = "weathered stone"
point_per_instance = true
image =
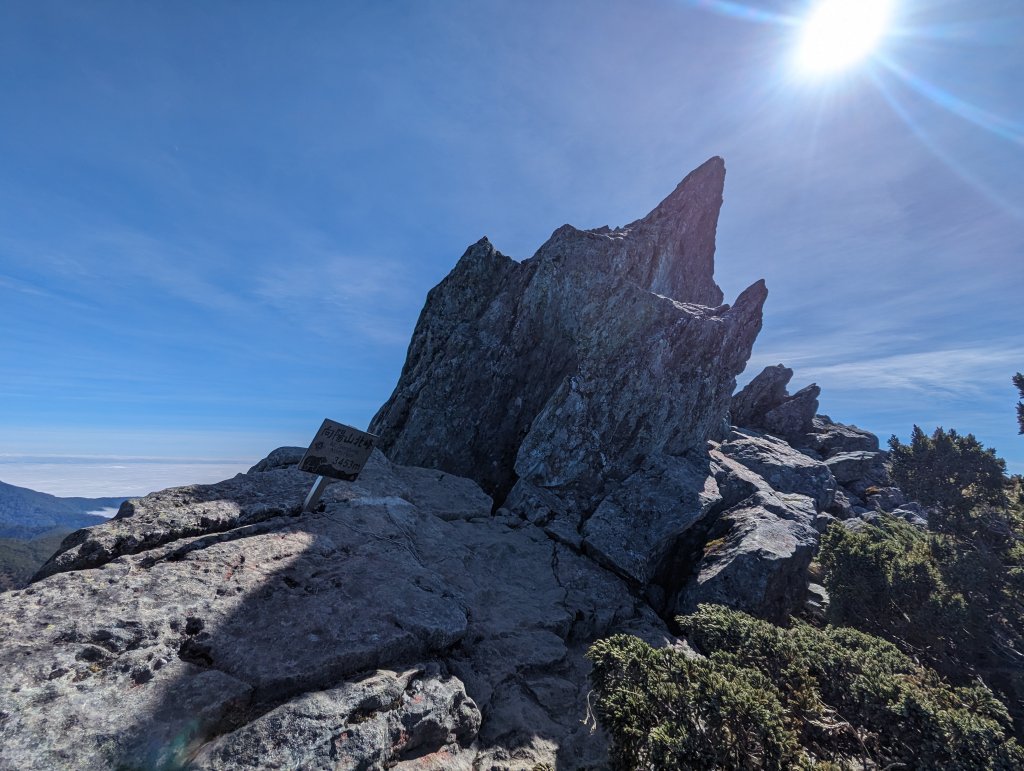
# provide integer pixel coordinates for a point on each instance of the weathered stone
(255, 639)
(887, 498)
(764, 403)
(736, 482)
(914, 513)
(785, 469)
(823, 521)
(844, 504)
(817, 602)
(181, 512)
(850, 467)
(282, 457)
(762, 394)
(828, 438)
(417, 719)
(635, 529)
(757, 558)
(443, 495)
(571, 369)
(793, 417)
(535, 504)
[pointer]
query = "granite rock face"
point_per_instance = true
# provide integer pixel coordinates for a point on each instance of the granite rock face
(785, 469)
(764, 403)
(757, 558)
(570, 370)
(400, 625)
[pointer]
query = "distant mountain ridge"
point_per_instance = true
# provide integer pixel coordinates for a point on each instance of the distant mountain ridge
(26, 514)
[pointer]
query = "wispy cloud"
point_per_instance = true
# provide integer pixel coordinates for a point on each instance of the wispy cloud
(329, 293)
(962, 372)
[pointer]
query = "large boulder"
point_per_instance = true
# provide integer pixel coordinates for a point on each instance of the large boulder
(756, 558)
(794, 415)
(851, 467)
(570, 370)
(828, 438)
(786, 470)
(762, 394)
(636, 530)
(764, 403)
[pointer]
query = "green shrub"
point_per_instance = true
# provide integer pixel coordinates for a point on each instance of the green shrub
(954, 603)
(952, 472)
(771, 698)
(665, 710)
(1018, 380)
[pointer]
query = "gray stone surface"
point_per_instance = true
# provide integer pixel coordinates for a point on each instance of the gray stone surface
(827, 438)
(887, 498)
(793, 417)
(850, 467)
(172, 647)
(757, 558)
(845, 504)
(783, 468)
(764, 393)
(817, 602)
(282, 457)
(570, 369)
(416, 719)
(764, 403)
(635, 530)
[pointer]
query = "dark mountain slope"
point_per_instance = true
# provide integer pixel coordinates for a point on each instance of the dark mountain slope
(26, 514)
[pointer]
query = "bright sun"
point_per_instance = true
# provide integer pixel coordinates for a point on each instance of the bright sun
(839, 33)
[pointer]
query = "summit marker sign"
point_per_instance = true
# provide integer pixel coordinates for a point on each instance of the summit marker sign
(337, 452)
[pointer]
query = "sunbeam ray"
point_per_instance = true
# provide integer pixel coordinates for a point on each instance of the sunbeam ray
(955, 166)
(744, 12)
(1001, 127)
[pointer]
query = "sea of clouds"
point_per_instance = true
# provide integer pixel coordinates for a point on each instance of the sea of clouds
(95, 477)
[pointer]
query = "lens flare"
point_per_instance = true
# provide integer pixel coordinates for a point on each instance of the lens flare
(840, 33)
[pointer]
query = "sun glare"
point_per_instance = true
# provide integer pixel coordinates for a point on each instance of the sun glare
(840, 33)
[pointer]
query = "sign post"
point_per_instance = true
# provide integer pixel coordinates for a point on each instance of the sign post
(336, 452)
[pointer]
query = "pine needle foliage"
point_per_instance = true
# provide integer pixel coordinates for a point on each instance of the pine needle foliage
(1018, 380)
(954, 601)
(764, 697)
(948, 470)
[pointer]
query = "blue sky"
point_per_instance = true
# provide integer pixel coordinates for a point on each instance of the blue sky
(218, 221)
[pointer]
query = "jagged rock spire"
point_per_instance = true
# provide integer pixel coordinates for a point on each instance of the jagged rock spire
(566, 370)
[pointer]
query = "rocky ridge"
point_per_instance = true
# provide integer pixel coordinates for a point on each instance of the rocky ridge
(420, 619)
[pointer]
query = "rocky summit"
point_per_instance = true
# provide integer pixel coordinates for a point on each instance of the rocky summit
(558, 465)
(562, 375)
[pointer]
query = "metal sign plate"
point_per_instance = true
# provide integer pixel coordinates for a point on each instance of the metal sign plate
(338, 451)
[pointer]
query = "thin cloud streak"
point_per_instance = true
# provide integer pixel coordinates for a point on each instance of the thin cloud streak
(963, 372)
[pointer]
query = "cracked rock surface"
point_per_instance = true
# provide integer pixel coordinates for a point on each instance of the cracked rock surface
(400, 624)
(570, 370)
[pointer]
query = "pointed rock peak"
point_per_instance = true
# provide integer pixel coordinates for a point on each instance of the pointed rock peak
(674, 245)
(481, 250)
(753, 296)
(481, 269)
(701, 189)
